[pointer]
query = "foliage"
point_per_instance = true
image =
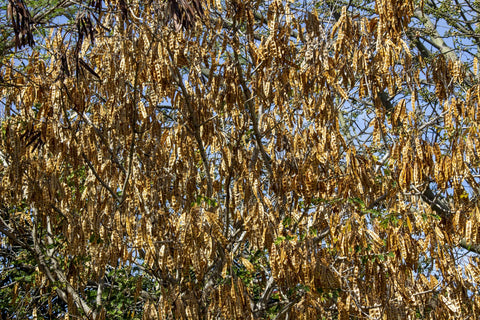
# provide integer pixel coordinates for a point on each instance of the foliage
(240, 159)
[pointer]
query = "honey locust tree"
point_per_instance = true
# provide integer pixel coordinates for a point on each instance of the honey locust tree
(23, 27)
(244, 159)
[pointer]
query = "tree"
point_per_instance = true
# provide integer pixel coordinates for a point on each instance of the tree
(255, 159)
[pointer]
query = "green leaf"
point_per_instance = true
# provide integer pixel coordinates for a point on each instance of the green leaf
(279, 240)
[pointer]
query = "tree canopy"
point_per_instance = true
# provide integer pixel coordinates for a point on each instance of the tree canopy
(239, 159)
